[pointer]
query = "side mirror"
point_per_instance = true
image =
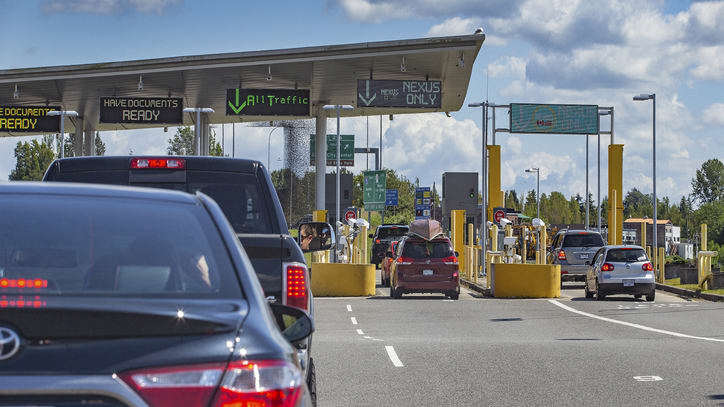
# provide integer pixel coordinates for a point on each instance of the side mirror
(371, 235)
(295, 323)
(316, 236)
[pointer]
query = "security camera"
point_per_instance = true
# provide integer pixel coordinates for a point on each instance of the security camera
(268, 77)
(538, 222)
(479, 30)
(505, 222)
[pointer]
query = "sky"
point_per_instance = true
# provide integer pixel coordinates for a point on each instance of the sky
(536, 51)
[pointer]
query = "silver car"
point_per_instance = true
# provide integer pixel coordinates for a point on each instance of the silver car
(572, 249)
(621, 270)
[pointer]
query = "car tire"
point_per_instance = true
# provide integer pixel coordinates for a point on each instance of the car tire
(651, 297)
(454, 295)
(392, 291)
(599, 295)
(397, 294)
(589, 294)
(312, 382)
(638, 296)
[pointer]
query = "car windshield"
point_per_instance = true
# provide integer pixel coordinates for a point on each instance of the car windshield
(427, 250)
(583, 240)
(394, 232)
(114, 247)
(626, 255)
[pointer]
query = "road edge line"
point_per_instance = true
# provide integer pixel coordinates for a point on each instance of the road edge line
(393, 356)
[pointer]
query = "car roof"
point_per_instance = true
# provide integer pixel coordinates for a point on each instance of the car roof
(74, 164)
(95, 190)
(622, 246)
(580, 231)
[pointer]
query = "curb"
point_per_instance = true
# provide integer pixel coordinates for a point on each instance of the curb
(690, 293)
(475, 287)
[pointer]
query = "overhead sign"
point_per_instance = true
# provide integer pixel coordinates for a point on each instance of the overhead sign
(346, 150)
(423, 202)
(555, 119)
(29, 119)
(392, 93)
(141, 110)
(392, 197)
(267, 102)
(374, 190)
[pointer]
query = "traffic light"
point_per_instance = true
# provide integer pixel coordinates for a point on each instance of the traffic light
(471, 194)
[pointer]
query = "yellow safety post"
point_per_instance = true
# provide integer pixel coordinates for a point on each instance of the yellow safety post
(543, 244)
(662, 264)
(469, 255)
(643, 234)
(320, 257)
(524, 249)
(494, 193)
(364, 258)
(476, 266)
(615, 194)
(457, 223)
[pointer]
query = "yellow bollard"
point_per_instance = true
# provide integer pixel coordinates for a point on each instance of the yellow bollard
(476, 257)
(362, 237)
(613, 231)
(524, 249)
(457, 223)
(615, 193)
(543, 244)
(469, 254)
(643, 234)
(703, 269)
(662, 264)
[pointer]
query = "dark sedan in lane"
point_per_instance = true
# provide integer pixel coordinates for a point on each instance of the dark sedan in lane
(136, 297)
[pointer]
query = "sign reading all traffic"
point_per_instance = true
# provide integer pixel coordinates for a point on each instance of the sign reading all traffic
(391, 93)
(346, 150)
(555, 119)
(136, 110)
(29, 119)
(267, 102)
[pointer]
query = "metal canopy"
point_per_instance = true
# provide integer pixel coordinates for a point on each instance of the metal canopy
(330, 72)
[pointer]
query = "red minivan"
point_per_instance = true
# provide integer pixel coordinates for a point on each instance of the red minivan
(425, 266)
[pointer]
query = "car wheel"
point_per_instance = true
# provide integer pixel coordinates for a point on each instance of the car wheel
(392, 291)
(638, 296)
(589, 294)
(312, 382)
(599, 295)
(382, 279)
(397, 294)
(650, 297)
(454, 295)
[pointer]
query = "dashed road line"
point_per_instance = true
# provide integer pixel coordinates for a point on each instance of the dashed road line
(359, 332)
(632, 325)
(349, 308)
(393, 356)
(354, 320)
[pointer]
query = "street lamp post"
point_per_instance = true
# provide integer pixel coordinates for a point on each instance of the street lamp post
(642, 97)
(197, 127)
(536, 170)
(339, 109)
(63, 114)
(268, 150)
(484, 192)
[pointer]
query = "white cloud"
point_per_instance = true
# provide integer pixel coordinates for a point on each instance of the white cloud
(107, 6)
(376, 11)
(508, 66)
(710, 63)
(714, 115)
(454, 26)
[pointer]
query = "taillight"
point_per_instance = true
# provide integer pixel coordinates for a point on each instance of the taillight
(450, 260)
(607, 267)
(167, 163)
(404, 260)
(296, 287)
(561, 255)
(23, 283)
(647, 267)
(241, 384)
(377, 241)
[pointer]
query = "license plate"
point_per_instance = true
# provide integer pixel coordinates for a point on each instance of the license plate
(584, 256)
(628, 283)
(427, 272)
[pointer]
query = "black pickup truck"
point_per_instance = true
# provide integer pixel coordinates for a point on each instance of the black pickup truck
(243, 190)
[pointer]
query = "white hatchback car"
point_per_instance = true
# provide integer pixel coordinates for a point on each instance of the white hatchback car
(620, 270)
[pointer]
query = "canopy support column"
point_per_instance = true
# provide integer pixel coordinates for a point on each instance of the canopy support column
(90, 143)
(320, 139)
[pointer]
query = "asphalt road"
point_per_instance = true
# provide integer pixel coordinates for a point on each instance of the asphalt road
(424, 350)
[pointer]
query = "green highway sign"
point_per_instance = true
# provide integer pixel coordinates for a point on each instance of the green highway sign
(554, 119)
(374, 192)
(346, 150)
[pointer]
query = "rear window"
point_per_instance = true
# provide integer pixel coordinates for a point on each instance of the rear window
(427, 250)
(583, 240)
(626, 255)
(111, 247)
(392, 232)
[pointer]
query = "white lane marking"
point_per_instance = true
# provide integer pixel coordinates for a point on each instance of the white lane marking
(629, 324)
(648, 378)
(393, 356)
(447, 300)
(359, 332)
(367, 337)
(349, 308)
(354, 320)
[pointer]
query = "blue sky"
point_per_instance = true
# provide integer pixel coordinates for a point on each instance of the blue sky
(558, 51)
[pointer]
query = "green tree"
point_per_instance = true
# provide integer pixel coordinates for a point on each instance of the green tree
(712, 213)
(708, 183)
(182, 143)
(32, 159)
(69, 146)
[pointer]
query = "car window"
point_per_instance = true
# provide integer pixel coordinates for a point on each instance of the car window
(111, 246)
(626, 255)
(596, 257)
(392, 232)
(583, 240)
(418, 249)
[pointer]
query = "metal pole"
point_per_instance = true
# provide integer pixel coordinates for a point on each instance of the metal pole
(656, 241)
(484, 222)
(537, 194)
(233, 139)
(587, 204)
(598, 195)
(336, 198)
(197, 127)
(380, 141)
(223, 138)
(493, 124)
(61, 153)
(367, 156)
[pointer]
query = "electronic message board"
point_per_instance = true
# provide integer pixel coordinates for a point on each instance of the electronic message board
(141, 110)
(555, 119)
(394, 93)
(28, 119)
(267, 102)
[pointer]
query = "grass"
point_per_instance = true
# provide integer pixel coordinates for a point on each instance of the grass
(693, 287)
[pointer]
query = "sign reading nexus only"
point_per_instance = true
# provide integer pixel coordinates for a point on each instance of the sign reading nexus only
(267, 102)
(393, 93)
(141, 110)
